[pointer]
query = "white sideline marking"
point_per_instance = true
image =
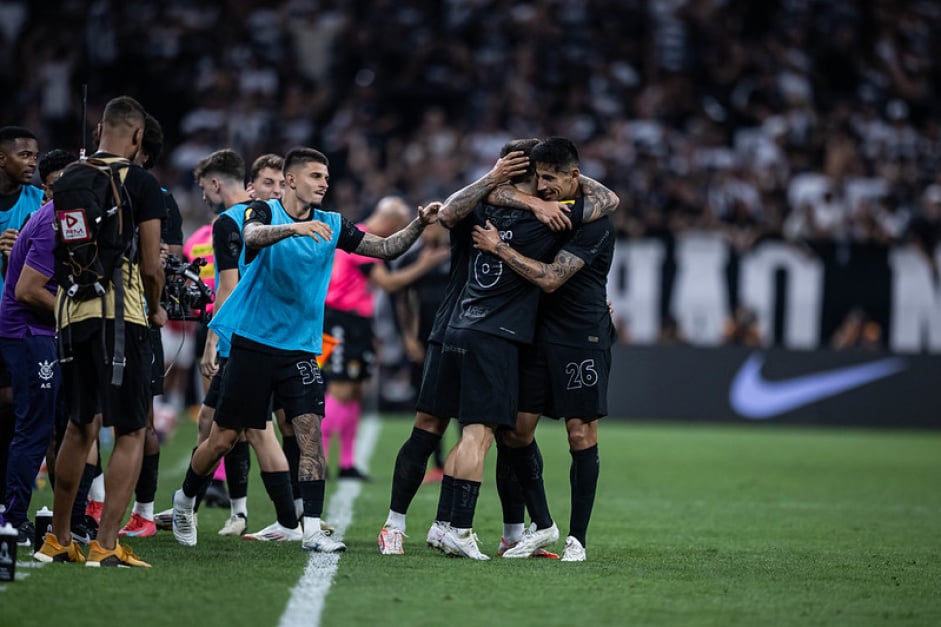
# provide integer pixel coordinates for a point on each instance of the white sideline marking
(29, 564)
(307, 597)
(20, 575)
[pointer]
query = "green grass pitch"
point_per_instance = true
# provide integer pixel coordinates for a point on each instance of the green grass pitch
(693, 525)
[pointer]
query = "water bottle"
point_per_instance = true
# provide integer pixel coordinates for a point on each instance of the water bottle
(8, 536)
(43, 525)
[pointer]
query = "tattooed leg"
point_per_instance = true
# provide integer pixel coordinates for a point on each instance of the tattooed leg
(312, 466)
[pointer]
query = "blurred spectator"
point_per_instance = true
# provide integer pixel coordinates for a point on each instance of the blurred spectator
(742, 328)
(806, 120)
(858, 331)
(670, 332)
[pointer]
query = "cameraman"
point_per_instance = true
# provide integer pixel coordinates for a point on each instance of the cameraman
(141, 523)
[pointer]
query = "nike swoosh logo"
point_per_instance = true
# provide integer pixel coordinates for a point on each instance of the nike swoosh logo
(754, 397)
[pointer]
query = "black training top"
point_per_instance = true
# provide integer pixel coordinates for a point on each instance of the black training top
(495, 299)
(461, 244)
(577, 314)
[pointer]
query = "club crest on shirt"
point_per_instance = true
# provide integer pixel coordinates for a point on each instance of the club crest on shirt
(487, 270)
(46, 373)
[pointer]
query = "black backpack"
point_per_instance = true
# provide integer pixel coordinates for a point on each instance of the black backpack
(95, 230)
(94, 226)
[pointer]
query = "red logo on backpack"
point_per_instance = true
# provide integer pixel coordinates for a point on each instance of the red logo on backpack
(73, 226)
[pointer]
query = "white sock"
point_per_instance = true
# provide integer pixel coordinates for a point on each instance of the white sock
(311, 524)
(239, 506)
(513, 532)
(299, 507)
(186, 502)
(97, 490)
(396, 520)
(144, 510)
(461, 533)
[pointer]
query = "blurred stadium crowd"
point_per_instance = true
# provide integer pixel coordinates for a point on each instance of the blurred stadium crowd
(796, 118)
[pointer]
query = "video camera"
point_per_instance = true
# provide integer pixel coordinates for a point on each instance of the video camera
(185, 296)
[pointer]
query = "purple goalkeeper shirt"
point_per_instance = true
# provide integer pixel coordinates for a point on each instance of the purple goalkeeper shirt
(34, 248)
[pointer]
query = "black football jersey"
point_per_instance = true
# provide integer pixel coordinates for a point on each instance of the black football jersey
(495, 299)
(461, 246)
(577, 314)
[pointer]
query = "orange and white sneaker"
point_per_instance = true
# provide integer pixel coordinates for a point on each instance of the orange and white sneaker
(93, 509)
(276, 532)
(533, 539)
(390, 541)
(504, 545)
(436, 534)
(52, 551)
(121, 556)
(462, 544)
(139, 527)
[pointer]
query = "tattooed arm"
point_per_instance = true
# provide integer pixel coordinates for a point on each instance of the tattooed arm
(258, 235)
(550, 213)
(459, 204)
(599, 200)
(548, 276)
(400, 241)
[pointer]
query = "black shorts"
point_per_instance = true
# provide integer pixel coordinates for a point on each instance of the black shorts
(488, 376)
(565, 381)
(215, 385)
(159, 364)
(212, 394)
(254, 372)
(87, 378)
(351, 359)
(438, 394)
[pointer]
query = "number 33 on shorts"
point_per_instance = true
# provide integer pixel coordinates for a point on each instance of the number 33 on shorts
(310, 373)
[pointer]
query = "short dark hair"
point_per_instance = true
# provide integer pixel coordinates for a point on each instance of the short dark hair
(225, 162)
(270, 160)
(123, 111)
(53, 161)
(152, 142)
(304, 155)
(558, 152)
(12, 133)
(526, 147)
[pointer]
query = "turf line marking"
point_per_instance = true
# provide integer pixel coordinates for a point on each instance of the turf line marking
(305, 605)
(29, 564)
(20, 574)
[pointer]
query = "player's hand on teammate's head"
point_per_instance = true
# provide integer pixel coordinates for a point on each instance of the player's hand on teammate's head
(486, 238)
(429, 213)
(512, 164)
(553, 214)
(319, 231)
